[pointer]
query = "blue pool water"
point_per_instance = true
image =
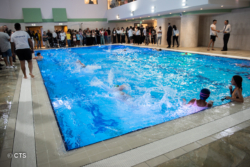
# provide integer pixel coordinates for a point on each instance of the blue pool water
(88, 108)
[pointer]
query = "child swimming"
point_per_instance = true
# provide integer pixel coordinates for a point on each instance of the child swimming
(236, 94)
(118, 88)
(201, 104)
(38, 56)
(157, 49)
(79, 62)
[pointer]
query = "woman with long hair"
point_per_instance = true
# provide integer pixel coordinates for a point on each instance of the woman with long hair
(176, 35)
(236, 94)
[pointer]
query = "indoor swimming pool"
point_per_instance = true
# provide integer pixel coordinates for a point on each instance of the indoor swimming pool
(124, 88)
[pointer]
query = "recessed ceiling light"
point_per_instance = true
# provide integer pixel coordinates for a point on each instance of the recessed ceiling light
(201, 9)
(140, 17)
(222, 6)
(184, 11)
(148, 16)
(170, 13)
(158, 14)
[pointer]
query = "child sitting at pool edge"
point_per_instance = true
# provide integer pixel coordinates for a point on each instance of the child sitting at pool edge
(38, 56)
(236, 94)
(201, 104)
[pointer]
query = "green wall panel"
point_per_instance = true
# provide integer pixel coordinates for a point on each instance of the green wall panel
(32, 15)
(59, 14)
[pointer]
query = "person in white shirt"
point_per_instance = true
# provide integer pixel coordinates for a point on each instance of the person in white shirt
(159, 35)
(176, 35)
(213, 34)
(138, 36)
(24, 48)
(118, 35)
(62, 38)
(102, 36)
(226, 30)
(130, 34)
(54, 37)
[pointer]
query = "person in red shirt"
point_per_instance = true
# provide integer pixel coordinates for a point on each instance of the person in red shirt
(106, 36)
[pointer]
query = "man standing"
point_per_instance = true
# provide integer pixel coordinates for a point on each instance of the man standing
(54, 38)
(5, 48)
(213, 35)
(159, 35)
(227, 29)
(24, 48)
(169, 34)
(62, 39)
(49, 34)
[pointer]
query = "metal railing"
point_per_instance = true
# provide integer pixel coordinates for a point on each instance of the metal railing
(115, 3)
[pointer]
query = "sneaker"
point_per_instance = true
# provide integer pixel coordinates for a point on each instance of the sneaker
(11, 67)
(14, 66)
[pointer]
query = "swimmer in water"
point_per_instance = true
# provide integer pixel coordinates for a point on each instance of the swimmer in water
(120, 89)
(201, 104)
(158, 49)
(38, 56)
(236, 94)
(79, 62)
(243, 65)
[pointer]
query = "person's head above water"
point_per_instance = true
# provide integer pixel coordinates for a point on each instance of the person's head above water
(237, 81)
(116, 86)
(204, 94)
(38, 54)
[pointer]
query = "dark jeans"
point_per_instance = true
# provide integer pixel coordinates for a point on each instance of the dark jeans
(138, 39)
(114, 39)
(153, 39)
(69, 43)
(175, 38)
(118, 38)
(226, 39)
(123, 39)
(169, 41)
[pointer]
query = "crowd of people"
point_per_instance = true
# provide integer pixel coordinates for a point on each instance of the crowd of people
(74, 38)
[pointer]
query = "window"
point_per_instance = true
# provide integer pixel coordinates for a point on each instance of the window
(91, 2)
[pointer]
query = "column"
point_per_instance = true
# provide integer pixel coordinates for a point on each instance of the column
(162, 22)
(189, 31)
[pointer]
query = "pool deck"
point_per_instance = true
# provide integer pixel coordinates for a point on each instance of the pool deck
(31, 128)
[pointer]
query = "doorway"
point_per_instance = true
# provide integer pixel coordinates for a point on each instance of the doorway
(35, 28)
(60, 28)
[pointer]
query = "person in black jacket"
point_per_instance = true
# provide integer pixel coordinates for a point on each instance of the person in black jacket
(169, 34)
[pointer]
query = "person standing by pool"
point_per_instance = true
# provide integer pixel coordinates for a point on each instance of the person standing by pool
(24, 48)
(118, 35)
(68, 36)
(130, 34)
(169, 35)
(38, 39)
(159, 35)
(102, 37)
(176, 35)
(201, 104)
(109, 35)
(5, 48)
(226, 30)
(123, 35)
(138, 36)
(114, 35)
(236, 94)
(213, 35)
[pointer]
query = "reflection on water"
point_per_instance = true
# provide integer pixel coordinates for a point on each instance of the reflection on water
(90, 108)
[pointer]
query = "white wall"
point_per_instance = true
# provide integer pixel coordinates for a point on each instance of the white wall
(240, 35)
(74, 8)
(143, 7)
(5, 9)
